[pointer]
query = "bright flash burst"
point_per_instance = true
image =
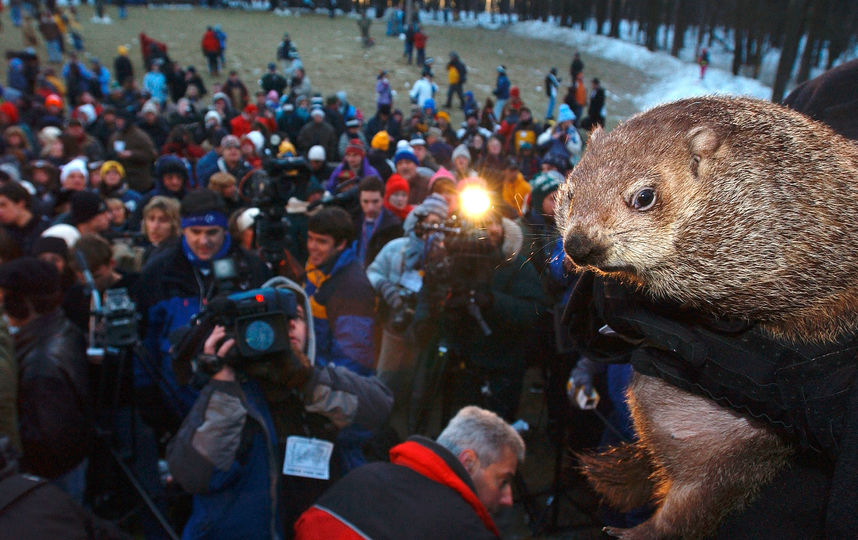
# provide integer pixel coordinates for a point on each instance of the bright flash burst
(474, 201)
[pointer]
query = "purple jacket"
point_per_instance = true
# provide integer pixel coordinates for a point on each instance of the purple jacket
(366, 170)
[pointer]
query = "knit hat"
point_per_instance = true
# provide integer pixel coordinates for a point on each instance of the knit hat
(434, 131)
(432, 204)
(316, 111)
(75, 165)
(355, 147)
(201, 202)
(542, 186)
(514, 92)
(396, 183)
(352, 122)
(565, 114)
(29, 276)
(417, 140)
(286, 148)
(405, 153)
(429, 104)
(380, 141)
(213, 115)
(461, 150)
(230, 141)
(501, 69)
(85, 205)
(250, 108)
(53, 99)
(50, 244)
(108, 165)
(443, 114)
(149, 107)
(258, 140)
(122, 49)
(170, 164)
(316, 153)
(70, 235)
(442, 176)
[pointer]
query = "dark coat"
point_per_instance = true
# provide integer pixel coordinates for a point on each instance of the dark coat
(413, 500)
(388, 228)
(54, 407)
(138, 164)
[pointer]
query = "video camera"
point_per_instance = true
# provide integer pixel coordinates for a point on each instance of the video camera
(460, 257)
(269, 190)
(257, 319)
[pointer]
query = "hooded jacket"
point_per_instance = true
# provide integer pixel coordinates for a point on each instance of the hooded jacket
(229, 450)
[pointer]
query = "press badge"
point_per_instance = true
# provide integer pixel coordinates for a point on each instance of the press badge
(308, 458)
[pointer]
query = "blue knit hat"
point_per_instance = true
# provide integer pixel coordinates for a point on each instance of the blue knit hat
(405, 153)
(565, 114)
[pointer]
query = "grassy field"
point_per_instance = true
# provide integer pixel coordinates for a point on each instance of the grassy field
(332, 53)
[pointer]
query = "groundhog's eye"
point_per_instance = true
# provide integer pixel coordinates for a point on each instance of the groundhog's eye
(644, 199)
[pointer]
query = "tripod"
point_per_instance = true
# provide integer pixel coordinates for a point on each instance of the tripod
(124, 440)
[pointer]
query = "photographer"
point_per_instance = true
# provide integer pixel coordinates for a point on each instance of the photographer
(229, 449)
(507, 292)
(395, 276)
(174, 285)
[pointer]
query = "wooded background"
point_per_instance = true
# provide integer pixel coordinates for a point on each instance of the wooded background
(748, 28)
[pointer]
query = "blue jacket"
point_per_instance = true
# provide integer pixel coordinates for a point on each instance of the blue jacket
(171, 291)
(501, 90)
(229, 454)
(344, 324)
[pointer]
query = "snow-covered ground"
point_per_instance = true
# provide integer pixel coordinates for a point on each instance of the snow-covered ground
(674, 78)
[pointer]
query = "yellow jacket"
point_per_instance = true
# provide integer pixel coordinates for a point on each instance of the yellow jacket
(453, 75)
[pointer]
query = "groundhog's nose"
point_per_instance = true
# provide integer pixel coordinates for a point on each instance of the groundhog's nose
(583, 248)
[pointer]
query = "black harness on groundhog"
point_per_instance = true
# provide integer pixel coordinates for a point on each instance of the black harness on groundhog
(805, 390)
(800, 388)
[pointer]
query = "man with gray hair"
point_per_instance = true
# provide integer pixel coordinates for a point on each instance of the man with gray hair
(430, 489)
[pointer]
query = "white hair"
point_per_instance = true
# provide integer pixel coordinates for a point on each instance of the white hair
(482, 431)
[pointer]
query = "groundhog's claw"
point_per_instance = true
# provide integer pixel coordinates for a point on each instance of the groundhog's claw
(616, 532)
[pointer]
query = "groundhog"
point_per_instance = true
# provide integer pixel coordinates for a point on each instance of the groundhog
(737, 208)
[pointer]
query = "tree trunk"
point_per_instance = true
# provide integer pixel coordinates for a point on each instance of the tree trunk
(680, 25)
(616, 11)
(818, 9)
(792, 35)
(601, 15)
(653, 13)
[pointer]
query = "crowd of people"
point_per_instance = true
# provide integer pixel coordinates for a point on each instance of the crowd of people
(405, 303)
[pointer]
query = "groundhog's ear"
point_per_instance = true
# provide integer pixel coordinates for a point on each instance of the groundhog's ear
(702, 143)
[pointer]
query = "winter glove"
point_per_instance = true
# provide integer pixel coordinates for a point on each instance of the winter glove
(390, 294)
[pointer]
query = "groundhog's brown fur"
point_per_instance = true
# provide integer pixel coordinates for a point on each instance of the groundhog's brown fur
(754, 217)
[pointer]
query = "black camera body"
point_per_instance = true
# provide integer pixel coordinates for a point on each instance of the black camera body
(258, 319)
(269, 190)
(120, 318)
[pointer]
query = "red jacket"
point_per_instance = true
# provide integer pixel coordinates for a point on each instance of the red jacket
(423, 493)
(420, 40)
(210, 43)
